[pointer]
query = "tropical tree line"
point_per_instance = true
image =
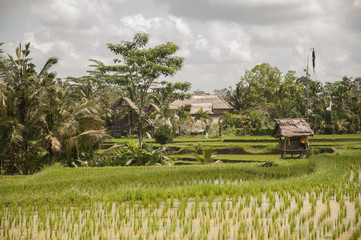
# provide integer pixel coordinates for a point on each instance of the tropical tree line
(45, 119)
(264, 94)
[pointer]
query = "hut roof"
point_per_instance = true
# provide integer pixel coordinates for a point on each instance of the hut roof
(208, 102)
(291, 127)
(152, 107)
(124, 103)
(207, 107)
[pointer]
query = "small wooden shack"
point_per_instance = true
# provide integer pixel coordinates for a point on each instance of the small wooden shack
(125, 114)
(124, 109)
(293, 136)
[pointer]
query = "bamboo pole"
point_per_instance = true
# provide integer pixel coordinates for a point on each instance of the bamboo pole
(333, 130)
(308, 89)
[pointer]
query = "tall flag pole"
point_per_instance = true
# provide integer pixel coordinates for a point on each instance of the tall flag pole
(308, 80)
(313, 60)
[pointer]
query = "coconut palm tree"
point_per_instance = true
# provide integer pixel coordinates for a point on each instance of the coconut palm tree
(203, 116)
(236, 96)
(21, 91)
(39, 117)
(71, 127)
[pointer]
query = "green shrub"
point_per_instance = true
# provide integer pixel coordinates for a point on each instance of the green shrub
(132, 154)
(264, 131)
(207, 156)
(164, 135)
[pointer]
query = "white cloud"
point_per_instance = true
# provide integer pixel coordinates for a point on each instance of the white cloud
(65, 11)
(139, 23)
(229, 41)
(201, 43)
(181, 26)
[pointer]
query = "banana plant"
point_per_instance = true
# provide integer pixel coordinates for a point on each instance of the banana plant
(206, 157)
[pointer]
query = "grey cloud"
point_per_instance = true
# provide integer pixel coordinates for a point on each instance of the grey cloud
(204, 10)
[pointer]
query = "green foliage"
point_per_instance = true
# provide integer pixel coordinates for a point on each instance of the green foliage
(206, 157)
(54, 166)
(203, 116)
(263, 131)
(132, 154)
(164, 134)
(264, 94)
(251, 124)
(21, 117)
(95, 87)
(138, 68)
(42, 119)
(163, 95)
(232, 120)
(197, 147)
(167, 92)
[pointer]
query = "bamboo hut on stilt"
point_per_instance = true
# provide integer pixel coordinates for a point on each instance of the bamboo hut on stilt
(124, 110)
(293, 136)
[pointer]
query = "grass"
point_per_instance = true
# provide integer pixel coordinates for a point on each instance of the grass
(12, 179)
(94, 184)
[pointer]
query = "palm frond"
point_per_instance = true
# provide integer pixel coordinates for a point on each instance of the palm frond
(113, 148)
(55, 144)
(87, 139)
(49, 63)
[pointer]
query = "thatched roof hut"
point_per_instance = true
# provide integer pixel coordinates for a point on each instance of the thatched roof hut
(124, 103)
(291, 127)
(211, 103)
(123, 118)
(293, 136)
(152, 108)
(214, 105)
(125, 115)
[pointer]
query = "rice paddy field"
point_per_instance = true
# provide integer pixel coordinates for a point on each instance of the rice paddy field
(293, 198)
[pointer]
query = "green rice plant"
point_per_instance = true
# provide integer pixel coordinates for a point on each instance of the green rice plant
(127, 208)
(310, 227)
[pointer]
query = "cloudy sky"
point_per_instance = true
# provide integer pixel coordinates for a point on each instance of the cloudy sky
(219, 39)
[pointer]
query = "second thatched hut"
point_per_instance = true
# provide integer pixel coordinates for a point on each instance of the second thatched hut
(293, 136)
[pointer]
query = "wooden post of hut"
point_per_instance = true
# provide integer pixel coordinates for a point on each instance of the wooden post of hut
(293, 136)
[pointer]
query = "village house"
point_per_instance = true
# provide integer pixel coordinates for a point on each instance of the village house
(125, 112)
(214, 105)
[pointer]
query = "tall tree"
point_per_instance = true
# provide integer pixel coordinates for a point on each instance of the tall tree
(72, 126)
(40, 115)
(22, 119)
(287, 98)
(262, 83)
(235, 97)
(139, 67)
(167, 92)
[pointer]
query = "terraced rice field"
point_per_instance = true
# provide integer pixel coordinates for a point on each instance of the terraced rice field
(316, 198)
